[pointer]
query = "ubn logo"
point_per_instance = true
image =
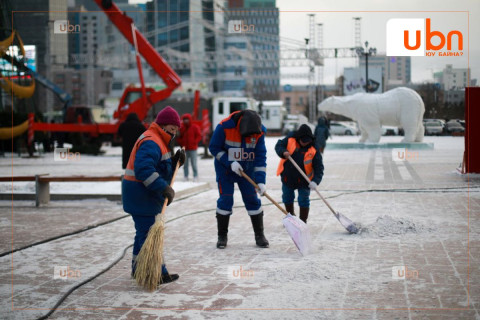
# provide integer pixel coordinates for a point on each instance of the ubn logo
(404, 155)
(237, 272)
(239, 154)
(64, 26)
(65, 273)
(64, 154)
(237, 26)
(404, 38)
(402, 272)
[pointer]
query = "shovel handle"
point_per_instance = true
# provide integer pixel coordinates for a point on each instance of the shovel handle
(265, 193)
(308, 180)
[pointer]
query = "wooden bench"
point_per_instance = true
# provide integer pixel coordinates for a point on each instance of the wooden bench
(42, 183)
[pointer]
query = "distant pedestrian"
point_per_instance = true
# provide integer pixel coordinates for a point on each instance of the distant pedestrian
(300, 146)
(189, 137)
(129, 131)
(322, 133)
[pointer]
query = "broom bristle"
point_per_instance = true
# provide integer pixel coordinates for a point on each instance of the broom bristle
(150, 259)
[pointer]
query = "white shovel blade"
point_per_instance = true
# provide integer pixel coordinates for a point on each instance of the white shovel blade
(347, 223)
(298, 231)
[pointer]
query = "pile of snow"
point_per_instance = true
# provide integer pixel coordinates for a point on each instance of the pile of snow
(386, 226)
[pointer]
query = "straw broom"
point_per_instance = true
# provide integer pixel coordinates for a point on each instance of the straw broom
(150, 259)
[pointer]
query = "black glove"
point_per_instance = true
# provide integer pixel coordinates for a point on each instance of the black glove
(168, 193)
(179, 156)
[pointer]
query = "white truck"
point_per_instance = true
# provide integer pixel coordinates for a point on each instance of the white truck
(224, 106)
(272, 112)
(273, 115)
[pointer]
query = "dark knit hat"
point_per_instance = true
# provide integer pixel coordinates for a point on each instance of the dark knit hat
(304, 134)
(168, 115)
(250, 123)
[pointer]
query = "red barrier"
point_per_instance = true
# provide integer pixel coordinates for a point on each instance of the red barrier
(31, 120)
(472, 130)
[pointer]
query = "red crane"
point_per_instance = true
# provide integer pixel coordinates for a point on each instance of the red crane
(136, 100)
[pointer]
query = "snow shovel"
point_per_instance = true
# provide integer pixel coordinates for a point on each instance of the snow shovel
(346, 223)
(296, 228)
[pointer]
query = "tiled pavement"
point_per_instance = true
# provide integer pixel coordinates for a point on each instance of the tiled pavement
(346, 277)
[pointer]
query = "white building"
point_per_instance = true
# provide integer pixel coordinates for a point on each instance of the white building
(453, 78)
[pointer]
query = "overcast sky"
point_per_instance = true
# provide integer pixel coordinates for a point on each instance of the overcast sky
(338, 29)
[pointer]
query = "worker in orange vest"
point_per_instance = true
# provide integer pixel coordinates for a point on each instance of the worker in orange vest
(146, 183)
(300, 146)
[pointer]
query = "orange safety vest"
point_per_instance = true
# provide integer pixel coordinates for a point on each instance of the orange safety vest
(233, 138)
(293, 147)
(148, 135)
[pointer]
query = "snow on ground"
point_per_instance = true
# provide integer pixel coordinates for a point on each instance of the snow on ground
(108, 187)
(418, 214)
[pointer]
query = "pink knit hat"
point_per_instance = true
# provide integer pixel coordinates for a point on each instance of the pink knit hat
(168, 115)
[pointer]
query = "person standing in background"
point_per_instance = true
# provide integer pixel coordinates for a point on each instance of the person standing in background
(129, 131)
(322, 133)
(189, 137)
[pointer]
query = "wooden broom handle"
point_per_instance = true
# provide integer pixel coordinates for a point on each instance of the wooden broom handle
(308, 180)
(265, 193)
(171, 185)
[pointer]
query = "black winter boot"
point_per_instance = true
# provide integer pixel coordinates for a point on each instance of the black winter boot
(290, 209)
(257, 223)
(167, 278)
(304, 214)
(222, 225)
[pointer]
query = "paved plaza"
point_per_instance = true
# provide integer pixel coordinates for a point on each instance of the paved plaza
(419, 219)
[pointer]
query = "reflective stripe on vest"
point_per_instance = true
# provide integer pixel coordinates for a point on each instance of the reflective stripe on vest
(130, 170)
(293, 147)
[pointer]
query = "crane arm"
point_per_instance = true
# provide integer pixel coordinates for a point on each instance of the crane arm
(153, 58)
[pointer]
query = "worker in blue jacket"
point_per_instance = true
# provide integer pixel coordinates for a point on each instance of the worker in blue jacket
(146, 183)
(300, 146)
(238, 144)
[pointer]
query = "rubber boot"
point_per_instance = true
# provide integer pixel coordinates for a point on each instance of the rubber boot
(290, 209)
(257, 223)
(167, 277)
(222, 225)
(304, 214)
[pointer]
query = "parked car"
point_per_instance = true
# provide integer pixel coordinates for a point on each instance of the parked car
(337, 128)
(433, 128)
(438, 120)
(289, 126)
(390, 131)
(454, 127)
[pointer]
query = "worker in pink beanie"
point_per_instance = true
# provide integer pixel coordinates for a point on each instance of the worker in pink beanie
(146, 183)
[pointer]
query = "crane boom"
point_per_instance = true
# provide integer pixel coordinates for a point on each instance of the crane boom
(172, 81)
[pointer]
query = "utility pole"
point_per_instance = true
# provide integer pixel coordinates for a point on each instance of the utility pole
(311, 75)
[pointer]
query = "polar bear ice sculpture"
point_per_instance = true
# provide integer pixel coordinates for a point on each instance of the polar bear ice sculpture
(401, 107)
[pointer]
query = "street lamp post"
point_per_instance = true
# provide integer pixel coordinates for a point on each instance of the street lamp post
(366, 53)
